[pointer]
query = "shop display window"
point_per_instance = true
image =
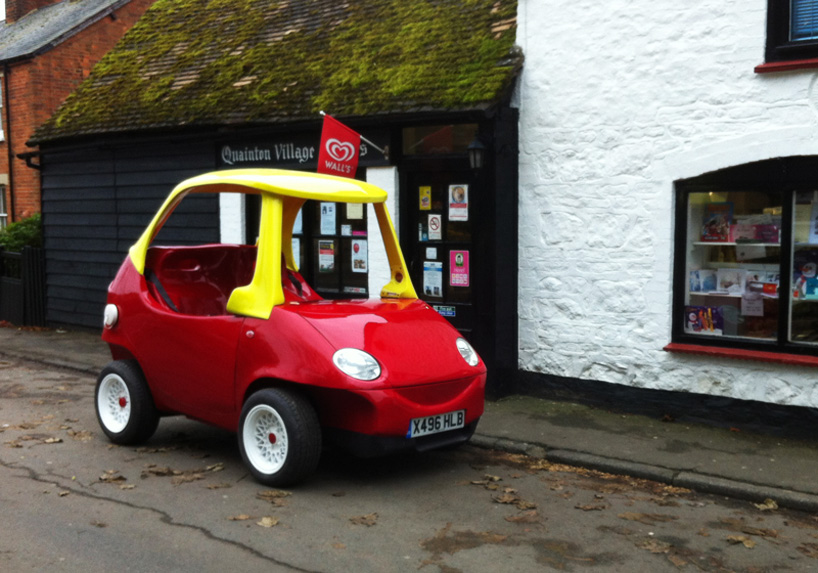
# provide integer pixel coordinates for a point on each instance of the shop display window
(746, 268)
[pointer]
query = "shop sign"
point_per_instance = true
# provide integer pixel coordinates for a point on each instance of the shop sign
(290, 152)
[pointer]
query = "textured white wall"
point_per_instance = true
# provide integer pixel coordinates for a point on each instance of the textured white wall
(617, 100)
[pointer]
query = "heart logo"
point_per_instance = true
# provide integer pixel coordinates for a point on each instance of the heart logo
(340, 150)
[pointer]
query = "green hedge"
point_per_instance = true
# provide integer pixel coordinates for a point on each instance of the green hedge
(25, 233)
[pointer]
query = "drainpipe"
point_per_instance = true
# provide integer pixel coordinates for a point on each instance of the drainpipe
(7, 133)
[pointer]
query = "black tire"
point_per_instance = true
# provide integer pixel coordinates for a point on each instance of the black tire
(279, 437)
(124, 405)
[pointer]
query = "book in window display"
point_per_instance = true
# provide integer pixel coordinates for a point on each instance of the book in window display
(704, 320)
(716, 224)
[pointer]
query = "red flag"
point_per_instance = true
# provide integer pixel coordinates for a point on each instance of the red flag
(339, 149)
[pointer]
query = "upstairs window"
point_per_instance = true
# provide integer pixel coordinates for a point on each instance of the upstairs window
(792, 30)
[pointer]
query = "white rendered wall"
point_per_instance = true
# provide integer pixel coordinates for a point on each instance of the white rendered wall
(617, 100)
(379, 274)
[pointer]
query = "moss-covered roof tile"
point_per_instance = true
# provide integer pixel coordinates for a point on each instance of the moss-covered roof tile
(216, 62)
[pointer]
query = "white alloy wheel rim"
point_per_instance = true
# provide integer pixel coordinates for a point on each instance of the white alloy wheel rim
(114, 403)
(265, 439)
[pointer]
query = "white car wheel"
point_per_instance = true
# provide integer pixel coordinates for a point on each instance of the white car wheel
(114, 403)
(265, 439)
(279, 436)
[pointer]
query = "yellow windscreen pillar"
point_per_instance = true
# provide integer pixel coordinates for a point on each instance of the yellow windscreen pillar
(400, 285)
(258, 298)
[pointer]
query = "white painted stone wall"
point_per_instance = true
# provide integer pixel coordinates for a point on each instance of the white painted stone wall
(617, 100)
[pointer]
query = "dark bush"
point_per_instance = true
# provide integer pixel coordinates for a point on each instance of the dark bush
(25, 233)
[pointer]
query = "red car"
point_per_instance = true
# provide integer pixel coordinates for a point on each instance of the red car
(233, 336)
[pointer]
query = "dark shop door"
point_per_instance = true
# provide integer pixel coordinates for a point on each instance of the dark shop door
(442, 223)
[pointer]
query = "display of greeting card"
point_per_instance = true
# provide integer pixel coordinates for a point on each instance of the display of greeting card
(731, 281)
(716, 224)
(704, 320)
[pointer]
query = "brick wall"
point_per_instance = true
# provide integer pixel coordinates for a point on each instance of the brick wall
(38, 86)
(617, 101)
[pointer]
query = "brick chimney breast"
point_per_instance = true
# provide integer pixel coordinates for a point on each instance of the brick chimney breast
(16, 9)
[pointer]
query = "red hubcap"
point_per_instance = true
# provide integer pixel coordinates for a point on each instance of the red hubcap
(123, 401)
(272, 438)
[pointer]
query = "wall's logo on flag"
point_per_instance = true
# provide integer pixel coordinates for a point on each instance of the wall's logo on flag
(338, 154)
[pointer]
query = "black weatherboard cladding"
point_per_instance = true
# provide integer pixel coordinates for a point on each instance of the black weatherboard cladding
(95, 206)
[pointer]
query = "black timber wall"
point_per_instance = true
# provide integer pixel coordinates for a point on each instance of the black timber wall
(97, 201)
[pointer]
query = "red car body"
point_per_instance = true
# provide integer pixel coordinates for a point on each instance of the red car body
(171, 324)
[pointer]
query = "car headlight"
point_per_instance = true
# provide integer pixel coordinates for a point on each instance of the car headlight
(357, 363)
(467, 352)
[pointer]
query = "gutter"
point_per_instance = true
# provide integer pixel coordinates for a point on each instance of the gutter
(7, 134)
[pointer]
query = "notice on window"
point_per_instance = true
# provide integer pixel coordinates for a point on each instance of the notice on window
(752, 304)
(425, 198)
(355, 211)
(459, 268)
(327, 218)
(298, 224)
(297, 251)
(359, 256)
(435, 227)
(433, 278)
(458, 202)
(326, 256)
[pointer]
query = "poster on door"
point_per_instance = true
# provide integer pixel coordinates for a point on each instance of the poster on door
(433, 278)
(459, 268)
(327, 218)
(326, 256)
(459, 202)
(359, 257)
(425, 198)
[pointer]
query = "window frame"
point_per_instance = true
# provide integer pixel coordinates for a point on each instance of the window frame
(779, 47)
(784, 176)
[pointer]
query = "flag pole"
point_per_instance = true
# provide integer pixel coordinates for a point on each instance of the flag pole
(365, 140)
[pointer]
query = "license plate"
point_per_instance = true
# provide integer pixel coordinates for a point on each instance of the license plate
(435, 424)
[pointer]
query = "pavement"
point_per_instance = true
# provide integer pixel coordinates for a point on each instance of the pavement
(721, 461)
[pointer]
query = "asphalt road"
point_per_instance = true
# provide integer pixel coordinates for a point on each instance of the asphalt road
(70, 501)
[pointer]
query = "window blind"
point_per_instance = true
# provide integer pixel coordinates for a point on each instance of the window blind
(803, 19)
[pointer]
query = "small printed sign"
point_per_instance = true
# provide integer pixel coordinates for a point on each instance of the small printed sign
(435, 227)
(327, 218)
(326, 256)
(447, 311)
(459, 268)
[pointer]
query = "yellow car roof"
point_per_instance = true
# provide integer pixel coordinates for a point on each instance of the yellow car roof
(314, 186)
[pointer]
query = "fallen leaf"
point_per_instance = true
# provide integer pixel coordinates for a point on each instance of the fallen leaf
(591, 507)
(744, 540)
(82, 436)
(215, 467)
(369, 519)
(127, 486)
(654, 545)
(52, 441)
(647, 518)
(99, 524)
(274, 496)
(676, 560)
(219, 485)
(63, 493)
(529, 516)
(14, 444)
(242, 517)
(181, 478)
(111, 476)
(339, 546)
(154, 470)
(267, 522)
(767, 505)
(809, 549)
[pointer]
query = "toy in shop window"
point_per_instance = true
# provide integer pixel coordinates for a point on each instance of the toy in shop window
(232, 335)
